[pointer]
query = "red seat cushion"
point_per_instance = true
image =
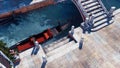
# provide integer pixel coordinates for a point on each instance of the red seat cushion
(25, 46)
(46, 36)
(41, 39)
(49, 33)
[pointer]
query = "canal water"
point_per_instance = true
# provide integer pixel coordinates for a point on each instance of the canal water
(25, 25)
(8, 5)
(109, 3)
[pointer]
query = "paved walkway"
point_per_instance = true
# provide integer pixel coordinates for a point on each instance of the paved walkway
(31, 61)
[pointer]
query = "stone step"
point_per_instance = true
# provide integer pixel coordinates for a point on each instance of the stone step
(52, 55)
(87, 2)
(93, 8)
(91, 5)
(82, 1)
(57, 41)
(99, 27)
(96, 11)
(100, 18)
(99, 14)
(100, 22)
(48, 49)
(57, 50)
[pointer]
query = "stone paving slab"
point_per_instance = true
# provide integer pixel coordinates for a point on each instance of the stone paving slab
(31, 61)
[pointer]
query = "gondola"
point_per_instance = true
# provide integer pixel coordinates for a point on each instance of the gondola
(40, 38)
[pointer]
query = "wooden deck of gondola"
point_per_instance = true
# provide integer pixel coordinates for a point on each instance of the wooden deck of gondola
(101, 49)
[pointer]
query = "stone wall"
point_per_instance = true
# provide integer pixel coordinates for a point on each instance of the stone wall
(27, 8)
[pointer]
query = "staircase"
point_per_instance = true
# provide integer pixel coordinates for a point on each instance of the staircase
(56, 44)
(61, 42)
(59, 52)
(58, 48)
(62, 46)
(97, 8)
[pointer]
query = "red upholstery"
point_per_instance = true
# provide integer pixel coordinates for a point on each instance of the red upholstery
(49, 33)
(25, 46)
(46, 36)
(41, 39)
(28, 45)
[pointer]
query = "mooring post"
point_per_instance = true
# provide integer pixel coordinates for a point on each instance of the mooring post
(72, 29)
(81, 43)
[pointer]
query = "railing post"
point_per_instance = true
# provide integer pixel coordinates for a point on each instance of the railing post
(112, 10)
(86, 25)
(91, 22)
(72, 29)
(87, 20)
(110, 13)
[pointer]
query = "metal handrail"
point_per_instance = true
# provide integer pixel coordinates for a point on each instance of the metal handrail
(83, 9)
(102, 6)
(80, 7)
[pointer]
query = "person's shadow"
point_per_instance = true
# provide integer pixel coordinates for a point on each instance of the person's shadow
(71, 37)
